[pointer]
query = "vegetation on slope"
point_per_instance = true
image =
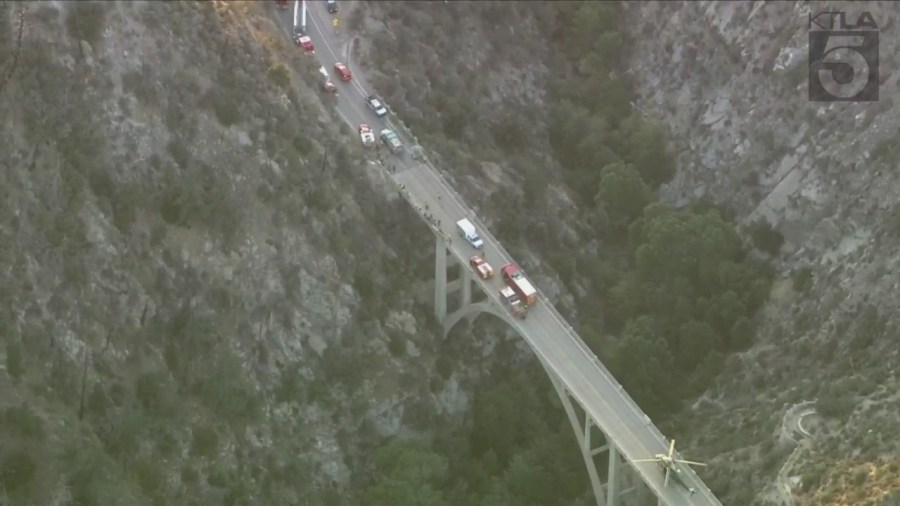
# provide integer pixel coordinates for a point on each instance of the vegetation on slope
(518, 451)
(676, 290)
(871, 483)
(137, 373)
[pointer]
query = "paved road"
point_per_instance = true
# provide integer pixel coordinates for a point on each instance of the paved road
(332, 45)
(792, 425)
(545, 330)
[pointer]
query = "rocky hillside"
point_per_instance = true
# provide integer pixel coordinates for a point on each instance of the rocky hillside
(812, 186)
(197, 305)
(730, 81)
(206, 297)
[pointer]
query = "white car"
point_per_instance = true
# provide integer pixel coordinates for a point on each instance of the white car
(376, 105)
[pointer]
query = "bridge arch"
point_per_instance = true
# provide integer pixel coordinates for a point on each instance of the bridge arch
(471, 311)
(611, 493)
(607, 494)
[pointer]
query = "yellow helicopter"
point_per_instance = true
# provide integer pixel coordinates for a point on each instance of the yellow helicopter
(668, 462)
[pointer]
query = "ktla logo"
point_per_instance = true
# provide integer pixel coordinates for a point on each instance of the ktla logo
(843, 58)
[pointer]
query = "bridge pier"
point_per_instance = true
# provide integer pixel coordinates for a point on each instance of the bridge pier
(466, 278)
(582, 435)
(623, 486)
(612, 482)
(440, 278)
(611, 493)
(443, 288)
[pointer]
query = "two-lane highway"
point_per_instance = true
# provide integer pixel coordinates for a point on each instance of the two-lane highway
(557, 345)
(548, 334)
(330, 48)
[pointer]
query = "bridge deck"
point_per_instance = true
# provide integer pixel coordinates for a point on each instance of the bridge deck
(544, 329)
(554, 340)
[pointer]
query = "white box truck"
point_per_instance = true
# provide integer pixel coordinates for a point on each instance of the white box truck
(467, 230)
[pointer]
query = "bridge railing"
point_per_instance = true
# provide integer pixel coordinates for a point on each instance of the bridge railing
(422, 213)
(571, 333)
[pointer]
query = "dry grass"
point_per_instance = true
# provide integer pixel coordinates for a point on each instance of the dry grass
(853, 483)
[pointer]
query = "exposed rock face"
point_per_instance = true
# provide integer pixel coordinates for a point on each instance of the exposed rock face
(730, 80)
(158, 190)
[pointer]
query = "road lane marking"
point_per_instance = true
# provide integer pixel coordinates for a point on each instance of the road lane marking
(334, 54)
(361, 113)
(312, 19)
(461, 210)
(567, 352)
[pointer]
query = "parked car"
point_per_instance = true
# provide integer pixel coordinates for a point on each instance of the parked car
(376, 105)
(366, 135)
(327, 84)
(332, 6)
(342, 71)
(306, 43)
(390, 139)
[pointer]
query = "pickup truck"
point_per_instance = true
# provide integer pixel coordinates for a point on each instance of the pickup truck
(366, 135)
(484, 269)
(390, 139)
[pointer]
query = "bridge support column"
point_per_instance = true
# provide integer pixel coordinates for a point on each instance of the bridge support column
(612, 479)
(612, 493)
(440, 278)
(449, 316)
(583, 435)
(466, 287)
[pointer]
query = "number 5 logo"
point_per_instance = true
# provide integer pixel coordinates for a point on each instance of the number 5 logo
(843, 66)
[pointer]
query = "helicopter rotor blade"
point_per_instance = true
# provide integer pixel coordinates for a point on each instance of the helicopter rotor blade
(671, 448)
(690, 462)
(646, 460)
(666, 480)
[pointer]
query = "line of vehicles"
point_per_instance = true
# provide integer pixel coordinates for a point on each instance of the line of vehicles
(331, 5)
(388, 137)
(518, 294)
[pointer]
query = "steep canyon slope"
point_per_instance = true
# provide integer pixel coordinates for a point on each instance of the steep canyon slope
(205, 299)
(730, 81)
(812, 186)
(197, 305)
